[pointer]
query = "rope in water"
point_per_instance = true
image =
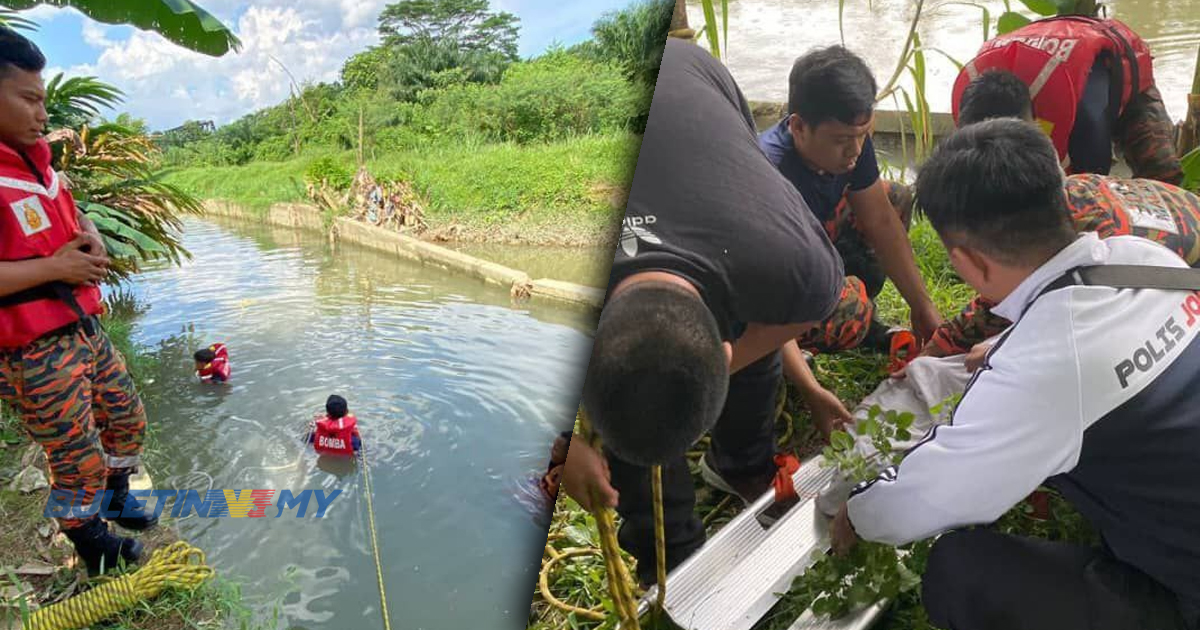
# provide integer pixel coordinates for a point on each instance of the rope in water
(387, 622)
(179, 565)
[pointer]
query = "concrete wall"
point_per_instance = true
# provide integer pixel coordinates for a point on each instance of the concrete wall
(304, 216)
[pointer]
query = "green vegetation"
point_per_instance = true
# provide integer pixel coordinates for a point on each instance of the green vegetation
(835, 584)
(216, 604)
(497, 191)
(499, 147)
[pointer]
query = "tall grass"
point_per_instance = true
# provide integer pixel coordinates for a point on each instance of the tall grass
(576, 182)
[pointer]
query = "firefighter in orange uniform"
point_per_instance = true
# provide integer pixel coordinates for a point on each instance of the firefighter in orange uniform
(58, 369)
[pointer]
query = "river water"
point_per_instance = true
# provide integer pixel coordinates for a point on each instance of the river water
(458, 395)
(766, 36)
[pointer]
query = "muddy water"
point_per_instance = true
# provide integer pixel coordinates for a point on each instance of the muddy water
(765, 36)
(458, 396)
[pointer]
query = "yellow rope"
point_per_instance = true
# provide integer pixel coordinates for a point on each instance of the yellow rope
(619, 582)
(544, 582)
(179, 565)
(660, 538)
(387, 622)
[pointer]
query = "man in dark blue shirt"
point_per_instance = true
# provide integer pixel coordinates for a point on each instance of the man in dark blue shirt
(823, 147)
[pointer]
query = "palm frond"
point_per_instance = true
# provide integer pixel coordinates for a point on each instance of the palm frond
(75, 101)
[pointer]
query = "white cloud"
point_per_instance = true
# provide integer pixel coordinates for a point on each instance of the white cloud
(167, 84)
(95, 34)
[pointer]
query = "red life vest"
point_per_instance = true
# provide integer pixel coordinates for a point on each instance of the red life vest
(1054, 57)
(35, 221)
(219, 367)
(335, 436)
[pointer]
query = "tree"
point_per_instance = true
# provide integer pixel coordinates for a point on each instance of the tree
(635, 38)
(467, 25)
(365, 70)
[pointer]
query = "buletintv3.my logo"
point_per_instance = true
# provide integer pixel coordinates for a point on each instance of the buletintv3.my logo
(634, 229)
(254, 503)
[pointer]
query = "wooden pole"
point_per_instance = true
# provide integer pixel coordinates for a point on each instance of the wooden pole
(679, 22)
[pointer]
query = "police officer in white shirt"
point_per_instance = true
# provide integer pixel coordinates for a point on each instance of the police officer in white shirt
(1095, 391)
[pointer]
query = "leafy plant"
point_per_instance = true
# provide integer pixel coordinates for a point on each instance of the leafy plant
(116, 185)
(1010, 20)
(76, 101)
(183, 22)
(328, 170)
(1191, 170)
(709, 30)
(834, 585)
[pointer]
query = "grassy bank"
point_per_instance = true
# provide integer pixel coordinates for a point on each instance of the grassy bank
(561, 193)
(37, 563)
(581, 582)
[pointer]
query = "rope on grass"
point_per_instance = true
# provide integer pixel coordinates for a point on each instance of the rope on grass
(179, 565)
(544, 583)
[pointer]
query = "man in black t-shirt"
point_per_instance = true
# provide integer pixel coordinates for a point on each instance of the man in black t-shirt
(720, 263)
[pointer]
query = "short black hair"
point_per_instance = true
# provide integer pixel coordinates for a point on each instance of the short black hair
(205, 355)
(995, 94)
(831, 84)
(336, 407)
(17, 51)
(658, 373)
(997, 187)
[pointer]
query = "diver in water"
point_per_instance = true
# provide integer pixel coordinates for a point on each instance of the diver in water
(337, 433)
(212, 363)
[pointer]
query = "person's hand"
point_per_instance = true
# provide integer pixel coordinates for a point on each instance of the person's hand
(828, 412)
(95, 245)
(69, 135)
(74, 266)
(925, 321)
(587, 471)
(558, 451)
(842, 537)
(977, 355)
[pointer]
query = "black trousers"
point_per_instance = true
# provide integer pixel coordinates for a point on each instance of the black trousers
(743, 445)
(984, 580)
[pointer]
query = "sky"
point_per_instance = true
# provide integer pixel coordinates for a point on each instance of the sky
(167, 85)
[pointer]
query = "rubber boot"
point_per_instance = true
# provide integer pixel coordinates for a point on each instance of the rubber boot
(100, 549)
(134, 519)
(879, 337)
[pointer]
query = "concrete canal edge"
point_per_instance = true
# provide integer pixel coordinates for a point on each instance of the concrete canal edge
(519, 283)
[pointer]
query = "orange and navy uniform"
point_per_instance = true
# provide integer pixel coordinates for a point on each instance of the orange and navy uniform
(58, 369)
(1165, 214)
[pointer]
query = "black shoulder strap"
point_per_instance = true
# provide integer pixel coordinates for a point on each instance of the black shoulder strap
(54, 290)
(1130, 277)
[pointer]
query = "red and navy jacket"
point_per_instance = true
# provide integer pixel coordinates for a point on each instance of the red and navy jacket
(37, 217)
(336, 436)
(219, 368)
(1054, 57)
